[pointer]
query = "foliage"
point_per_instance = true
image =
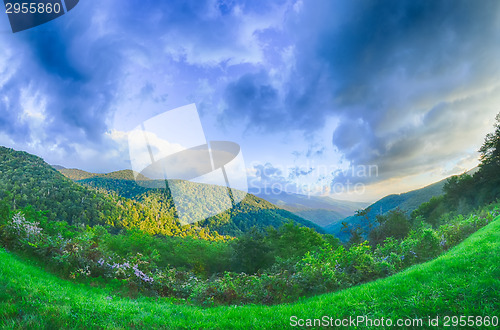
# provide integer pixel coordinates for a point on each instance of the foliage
(394, 224)
(19, 231)
(76, 174)
(431, 211)
(407, 202)
(255, 268)
(250, 212)
(27, 180)
(490, 150)
(251, 252)
(188, 254)
(464, 281)
(465, 193)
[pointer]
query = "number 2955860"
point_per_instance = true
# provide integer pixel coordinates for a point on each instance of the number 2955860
(32, 8)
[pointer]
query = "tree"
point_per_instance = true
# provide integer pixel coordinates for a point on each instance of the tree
(4, 212)
(460, 189)
(490, 150)
(293, 241)
(430, 211)
(393, 224)
(358, 231)
(251, 252)
(488, 176)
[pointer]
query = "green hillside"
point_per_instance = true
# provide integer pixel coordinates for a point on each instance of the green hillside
(407, 202)
(464, 281)
(127, 188)
(251, 211)
(26, 180)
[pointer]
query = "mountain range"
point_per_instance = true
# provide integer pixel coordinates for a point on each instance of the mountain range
(71, 194)
(322, 210)
(113, 199)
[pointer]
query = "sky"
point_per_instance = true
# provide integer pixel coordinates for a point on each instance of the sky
(351, 99)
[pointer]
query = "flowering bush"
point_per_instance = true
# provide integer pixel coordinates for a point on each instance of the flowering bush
(22, 233)
(80, 253)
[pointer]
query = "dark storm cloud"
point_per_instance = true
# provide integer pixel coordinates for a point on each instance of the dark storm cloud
(10, 112)
(49, 50)
(255, 99)
(77, 63)
(384, 69)
(74, 74)
(401, 78)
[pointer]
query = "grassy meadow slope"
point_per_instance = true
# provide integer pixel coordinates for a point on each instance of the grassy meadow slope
(464, 281)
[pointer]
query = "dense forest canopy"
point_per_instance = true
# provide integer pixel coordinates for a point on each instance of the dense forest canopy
(114, 199)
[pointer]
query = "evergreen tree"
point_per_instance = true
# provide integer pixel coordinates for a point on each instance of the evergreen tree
(488, 177)
(490, 150)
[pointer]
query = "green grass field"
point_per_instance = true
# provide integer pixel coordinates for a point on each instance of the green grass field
(465, 281)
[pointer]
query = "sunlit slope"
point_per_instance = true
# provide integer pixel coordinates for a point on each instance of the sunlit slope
(464, 281)
(27, 180)
(250, 212)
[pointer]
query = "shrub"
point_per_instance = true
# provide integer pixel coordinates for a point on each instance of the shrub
(427, 244)
(92, 252)
(22, 233)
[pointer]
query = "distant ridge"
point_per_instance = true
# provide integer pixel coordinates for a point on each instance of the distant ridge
(123, 175)
(76, 174)
(407, 202)
(321, 210)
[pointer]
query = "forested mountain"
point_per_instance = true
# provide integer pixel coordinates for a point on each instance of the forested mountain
(75, 174)
(26, 180)
(251, 211)
(321, 210)
(406, 202)
(127, 188)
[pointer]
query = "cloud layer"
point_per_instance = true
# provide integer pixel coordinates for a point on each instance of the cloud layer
(408, 86)
(413, 84)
